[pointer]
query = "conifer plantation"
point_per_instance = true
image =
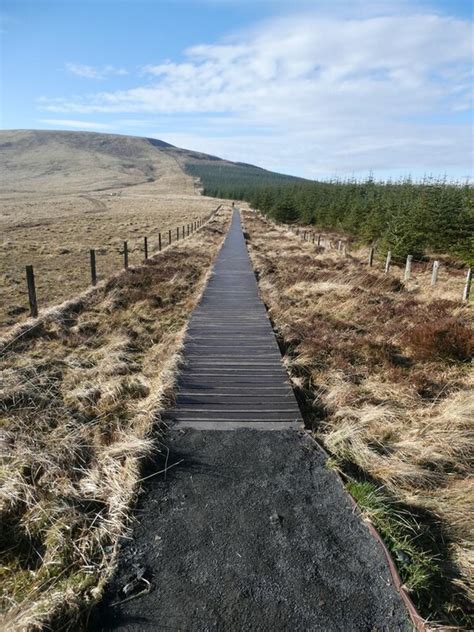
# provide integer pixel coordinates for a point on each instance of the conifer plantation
(404, 216)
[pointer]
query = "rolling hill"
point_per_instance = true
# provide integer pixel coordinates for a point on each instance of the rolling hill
(36, 162)
(63, 193)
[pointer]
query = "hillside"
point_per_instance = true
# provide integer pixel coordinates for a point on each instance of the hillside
(39, 163)
(63, 193)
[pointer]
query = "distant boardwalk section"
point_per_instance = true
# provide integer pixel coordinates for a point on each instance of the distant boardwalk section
(233, 374)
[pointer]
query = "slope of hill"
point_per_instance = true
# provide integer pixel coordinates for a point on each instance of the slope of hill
(63, 193)
(37, 162)
(46, 163)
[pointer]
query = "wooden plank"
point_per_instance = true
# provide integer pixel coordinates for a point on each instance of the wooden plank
(232, 369)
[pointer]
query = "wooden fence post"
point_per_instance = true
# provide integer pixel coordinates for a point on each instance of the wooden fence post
(169, 237)
(93, 267)
(339, 245)
(125, 255)
(187, 228)
(145, 247)
(183, 233)
(371, 257)
(434, 274)
(159, 242)
(30, 280)
(387, 261)
(177, 233)
(319, 240)
(467, 286)
(408, 267)
(344, 250)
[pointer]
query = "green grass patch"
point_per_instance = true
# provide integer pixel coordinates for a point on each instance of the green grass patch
(418, 549)
(401, 532)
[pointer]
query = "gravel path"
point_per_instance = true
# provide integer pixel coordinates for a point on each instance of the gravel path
(248, 530)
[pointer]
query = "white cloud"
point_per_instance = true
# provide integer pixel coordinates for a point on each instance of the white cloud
(91, 72)
(316, 92)
(73, 124)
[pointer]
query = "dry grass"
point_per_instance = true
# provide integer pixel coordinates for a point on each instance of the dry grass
(80, 406)
(55, 235)
(383, 371)
(63, 193)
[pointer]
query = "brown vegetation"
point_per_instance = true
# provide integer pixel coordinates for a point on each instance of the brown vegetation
(63, 193)
(82, 391)
(58, 247)
(382, 370)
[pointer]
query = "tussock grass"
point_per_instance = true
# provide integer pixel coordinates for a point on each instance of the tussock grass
(382, 369)
(80, 403)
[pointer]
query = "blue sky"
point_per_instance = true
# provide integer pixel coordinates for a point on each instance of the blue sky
(317, 88)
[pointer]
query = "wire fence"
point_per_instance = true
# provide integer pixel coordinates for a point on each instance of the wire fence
(159, 242)
(389, 260)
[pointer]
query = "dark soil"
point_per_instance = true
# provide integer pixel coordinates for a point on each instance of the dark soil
(249, 531)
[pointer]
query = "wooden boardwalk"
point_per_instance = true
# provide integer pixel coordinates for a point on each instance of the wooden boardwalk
(233, 374)
(246, 530)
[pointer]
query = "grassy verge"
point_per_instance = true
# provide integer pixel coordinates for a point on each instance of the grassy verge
(382, 373)
(81, 394)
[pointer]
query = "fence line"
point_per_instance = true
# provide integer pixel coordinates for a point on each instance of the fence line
(191, 228)
(341, 248)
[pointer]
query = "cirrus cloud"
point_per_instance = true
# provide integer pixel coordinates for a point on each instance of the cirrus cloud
(93, 72)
